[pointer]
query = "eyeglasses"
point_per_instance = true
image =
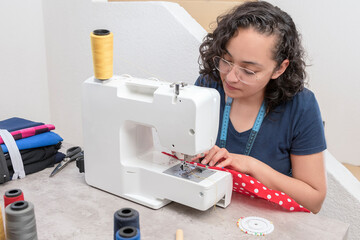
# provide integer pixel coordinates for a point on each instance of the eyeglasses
(242, 74)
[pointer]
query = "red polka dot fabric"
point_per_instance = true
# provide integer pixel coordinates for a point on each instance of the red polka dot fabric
(245, 184)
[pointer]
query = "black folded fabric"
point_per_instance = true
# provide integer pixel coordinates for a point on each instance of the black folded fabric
(37, 159)
(4, 171)
(36, 166)
(35, 154)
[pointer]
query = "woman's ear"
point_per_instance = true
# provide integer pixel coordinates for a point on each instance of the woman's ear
(281, 69)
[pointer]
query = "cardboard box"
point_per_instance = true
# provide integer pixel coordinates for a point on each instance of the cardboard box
(204, 12)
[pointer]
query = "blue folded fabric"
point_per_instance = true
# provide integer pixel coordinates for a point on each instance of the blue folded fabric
(15, 123)
(40, 140)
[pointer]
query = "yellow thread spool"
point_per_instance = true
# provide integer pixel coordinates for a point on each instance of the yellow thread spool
(2, 232)
(102, 50)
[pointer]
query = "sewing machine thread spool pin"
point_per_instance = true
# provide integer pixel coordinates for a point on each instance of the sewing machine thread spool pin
(177, 86)
(177, 89)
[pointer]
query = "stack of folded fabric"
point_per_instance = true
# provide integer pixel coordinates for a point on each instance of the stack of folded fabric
(27, 147)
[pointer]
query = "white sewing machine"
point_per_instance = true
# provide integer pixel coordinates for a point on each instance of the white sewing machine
(128, 122)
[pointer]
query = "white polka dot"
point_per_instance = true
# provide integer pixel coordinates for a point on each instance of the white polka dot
(251, 181)
(247, 192)
(239, 175)
(236, 183)
(258, 181)
(246, 175)
(291, 209)
(241, 188)
(277, 194)
(280, 203)
(300, 206)
(269, 196)
(252, 196)
(256, 190)
(282, 193)
(243, 184)
(289, 200)
(264, 188)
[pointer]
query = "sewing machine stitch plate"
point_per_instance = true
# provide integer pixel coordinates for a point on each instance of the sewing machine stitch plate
(191, 172)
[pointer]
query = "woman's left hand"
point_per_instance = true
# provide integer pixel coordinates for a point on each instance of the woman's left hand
(220, 157)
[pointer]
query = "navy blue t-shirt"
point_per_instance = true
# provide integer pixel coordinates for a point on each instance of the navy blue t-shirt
(294, 127)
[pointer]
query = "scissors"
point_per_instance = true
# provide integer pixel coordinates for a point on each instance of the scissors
(72, 154)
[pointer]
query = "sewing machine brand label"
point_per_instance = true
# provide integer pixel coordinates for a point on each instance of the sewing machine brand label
(189, 172)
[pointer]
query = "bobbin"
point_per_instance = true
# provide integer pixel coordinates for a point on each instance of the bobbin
(128, 233)
(20, 221)
(13, 195)
(19, 205)
(101, 32)
(126, 217)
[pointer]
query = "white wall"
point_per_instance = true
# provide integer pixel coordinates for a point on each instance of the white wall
(331, 36)
(36, 77)
(166, 46)
(46, 72)
(23, 81)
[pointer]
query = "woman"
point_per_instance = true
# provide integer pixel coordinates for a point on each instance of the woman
(271, 128)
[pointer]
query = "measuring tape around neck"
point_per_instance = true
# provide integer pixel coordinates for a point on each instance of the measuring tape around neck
(225, 122)
(254, 131)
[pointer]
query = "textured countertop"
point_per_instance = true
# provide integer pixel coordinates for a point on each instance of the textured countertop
(67, 208)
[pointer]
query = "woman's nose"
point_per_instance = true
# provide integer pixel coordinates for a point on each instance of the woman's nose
(231, 76)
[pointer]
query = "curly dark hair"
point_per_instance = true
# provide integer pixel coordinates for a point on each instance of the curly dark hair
(265, 19)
